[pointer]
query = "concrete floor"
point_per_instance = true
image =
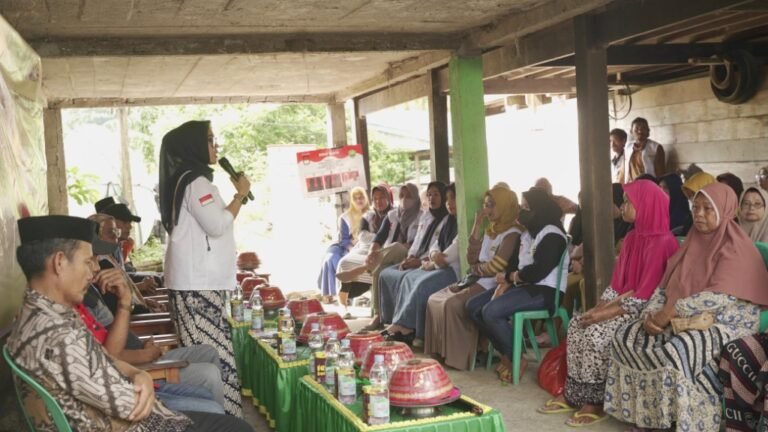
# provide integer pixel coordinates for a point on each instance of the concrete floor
(517, 404)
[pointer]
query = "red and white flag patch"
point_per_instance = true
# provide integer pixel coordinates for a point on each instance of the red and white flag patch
(206, 199)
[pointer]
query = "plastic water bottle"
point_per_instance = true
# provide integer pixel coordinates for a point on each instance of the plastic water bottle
(379, 397)
(346, 390)
(288, 337)
(315, 343)
(332, 348)
(237, 304)
(257, 312)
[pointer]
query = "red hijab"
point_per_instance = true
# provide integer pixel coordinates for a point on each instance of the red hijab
(722, 261)
(643, 257)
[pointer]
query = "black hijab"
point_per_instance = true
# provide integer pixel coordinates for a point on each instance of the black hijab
(679, 212)
(183, 158)
(543, 211)
(438, 214)
(451, 227)
(620, 227)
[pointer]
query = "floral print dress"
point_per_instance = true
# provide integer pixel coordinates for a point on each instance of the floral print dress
(665, 380)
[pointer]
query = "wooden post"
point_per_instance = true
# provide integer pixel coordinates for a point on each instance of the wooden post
(126, 179)
(361, 134)
(57, 167)
(469, 146)
(438, 130)
(592, 106)
(337, 125)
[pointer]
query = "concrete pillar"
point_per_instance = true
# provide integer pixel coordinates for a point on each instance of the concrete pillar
(469, 146)
(361, 135)
(337, 125)
(438, 131)
(592, 106)
(126, 179)
(57, 167)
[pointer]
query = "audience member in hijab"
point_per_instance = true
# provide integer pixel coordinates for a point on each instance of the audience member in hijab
(431, 223)
(200, 257)
(381, 200)
(733, 181)
(752, 214)
(437, 271)
(661, 369)
(620, 225)
(695, 183)
(636, 275)
(390, 246)
(680, 219)
(449, 331)
(566, 205)
(533, 286)
(349, 228)
(744, 373)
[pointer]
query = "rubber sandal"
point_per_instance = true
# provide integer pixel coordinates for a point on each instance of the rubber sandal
(562, 407)
(595, 419)
(505, 377)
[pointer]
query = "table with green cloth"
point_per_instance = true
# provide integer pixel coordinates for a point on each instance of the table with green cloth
(318, 411)
(268, 379)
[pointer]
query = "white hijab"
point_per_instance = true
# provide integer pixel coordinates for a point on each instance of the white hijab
(757, 231)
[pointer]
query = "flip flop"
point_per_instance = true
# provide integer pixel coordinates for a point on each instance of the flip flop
(595, 419)
(563, 407)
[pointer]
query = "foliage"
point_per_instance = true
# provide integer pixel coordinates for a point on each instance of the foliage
(81, 187)
(151, 252)
(140, 133)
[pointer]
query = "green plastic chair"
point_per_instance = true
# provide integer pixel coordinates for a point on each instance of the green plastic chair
(54, 410)
(763, 249)
(524, 318)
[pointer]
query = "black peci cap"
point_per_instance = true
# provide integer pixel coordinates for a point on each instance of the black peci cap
(38, 228)
(103, 203)
(121, 212)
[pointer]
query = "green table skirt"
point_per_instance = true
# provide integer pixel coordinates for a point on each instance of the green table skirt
(267, 379)
(318, 411)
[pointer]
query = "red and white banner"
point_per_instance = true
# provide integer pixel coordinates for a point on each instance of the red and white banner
(331, 170)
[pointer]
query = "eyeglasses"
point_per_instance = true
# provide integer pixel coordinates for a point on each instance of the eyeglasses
(746, 205)
(761, 177)
(115, 231)
(213, 141)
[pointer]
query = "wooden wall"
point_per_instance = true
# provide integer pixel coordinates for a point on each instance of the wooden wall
(695, 127)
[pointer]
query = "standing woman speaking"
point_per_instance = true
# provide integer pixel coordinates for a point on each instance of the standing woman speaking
(200, 258)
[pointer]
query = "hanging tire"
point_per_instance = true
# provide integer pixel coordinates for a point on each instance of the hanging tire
(737, 80)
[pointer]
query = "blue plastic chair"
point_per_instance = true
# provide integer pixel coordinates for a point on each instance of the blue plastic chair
(54, 410)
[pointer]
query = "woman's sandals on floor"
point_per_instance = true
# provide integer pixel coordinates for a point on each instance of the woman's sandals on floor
(554, 406)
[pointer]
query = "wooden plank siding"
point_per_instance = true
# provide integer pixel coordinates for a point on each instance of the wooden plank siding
(695, 127)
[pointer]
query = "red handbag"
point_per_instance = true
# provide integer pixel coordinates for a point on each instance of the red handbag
(553, 370)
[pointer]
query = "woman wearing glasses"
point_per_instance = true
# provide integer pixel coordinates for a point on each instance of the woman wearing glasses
(200, 258)
(752, 214)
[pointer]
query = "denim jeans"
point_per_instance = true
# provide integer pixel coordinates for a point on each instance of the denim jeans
(494, 316)
(204, 368)
(184, 397)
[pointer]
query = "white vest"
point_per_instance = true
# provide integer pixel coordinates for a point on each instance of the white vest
(424, 221)
(528, 246)
(201, 249)
(649, 157)
(488, 251)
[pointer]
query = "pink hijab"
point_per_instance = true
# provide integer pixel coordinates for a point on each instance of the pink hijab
(643, 257)
(722, 261)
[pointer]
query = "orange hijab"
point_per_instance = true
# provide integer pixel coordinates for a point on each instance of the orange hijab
(723, 261)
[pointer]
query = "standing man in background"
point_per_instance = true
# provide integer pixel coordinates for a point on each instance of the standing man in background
(618, 139)
(643, 155)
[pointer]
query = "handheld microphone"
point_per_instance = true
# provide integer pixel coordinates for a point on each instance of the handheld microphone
(224, 163)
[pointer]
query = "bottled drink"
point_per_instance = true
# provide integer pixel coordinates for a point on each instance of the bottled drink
(237, 304)
(315, 343)
(331, 357)
(287, 325)
(378, 406)
(346, 391)
(287, 337)
(257, 312)
(280, 314)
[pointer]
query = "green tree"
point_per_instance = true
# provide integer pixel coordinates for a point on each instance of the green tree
(81, 187)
